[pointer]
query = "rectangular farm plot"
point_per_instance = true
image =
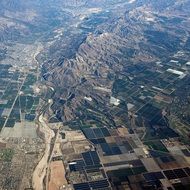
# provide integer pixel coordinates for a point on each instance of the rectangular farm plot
(91, 158)
(96, 133)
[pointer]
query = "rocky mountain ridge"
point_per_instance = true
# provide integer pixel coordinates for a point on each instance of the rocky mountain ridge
(142, 32)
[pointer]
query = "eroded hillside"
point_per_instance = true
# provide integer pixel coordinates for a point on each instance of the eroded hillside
(100, 48)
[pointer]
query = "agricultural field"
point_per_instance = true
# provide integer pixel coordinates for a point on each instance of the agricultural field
(19, 101)
(145, 95)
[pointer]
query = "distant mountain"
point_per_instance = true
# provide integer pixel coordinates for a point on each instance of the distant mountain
(123, 31)
(21, 19)
(92, 40)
